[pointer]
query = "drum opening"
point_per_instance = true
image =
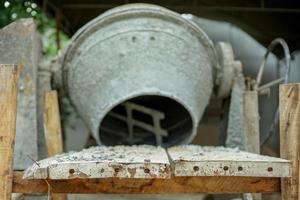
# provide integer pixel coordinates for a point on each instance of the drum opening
(147, 119)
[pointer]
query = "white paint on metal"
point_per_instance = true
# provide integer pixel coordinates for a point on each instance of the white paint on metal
(192, 160)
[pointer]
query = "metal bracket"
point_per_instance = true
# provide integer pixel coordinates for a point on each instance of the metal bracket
(156, 115)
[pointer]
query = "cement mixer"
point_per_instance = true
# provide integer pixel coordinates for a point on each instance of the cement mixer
(142, 74)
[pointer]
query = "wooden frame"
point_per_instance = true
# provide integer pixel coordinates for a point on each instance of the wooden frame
(177, 185)
(8, 111)
(289, 136)
(52, 129)
(289, 108)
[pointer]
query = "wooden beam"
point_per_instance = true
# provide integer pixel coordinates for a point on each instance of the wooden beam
(175, 185)
(251, 123)
(52, 129)
(8, 110)
(289, 108)
(52, 126)
(150, 162)
(251, 126)
(142, 161)
(193, 160)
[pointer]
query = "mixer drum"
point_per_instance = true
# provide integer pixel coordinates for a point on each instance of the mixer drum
(140, 74)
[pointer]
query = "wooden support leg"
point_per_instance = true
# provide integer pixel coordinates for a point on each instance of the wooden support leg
(52, 129)
(251, 126)
(8, 110)
(289, 108)
(251, 123)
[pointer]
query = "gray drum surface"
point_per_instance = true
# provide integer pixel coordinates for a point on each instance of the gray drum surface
(146, 55)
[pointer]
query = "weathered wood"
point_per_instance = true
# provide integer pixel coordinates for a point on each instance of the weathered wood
(21, 44)
(251, 126)
(8, 111)
(143, 161)
(251, 123)
(289, 108)
(52, 129)
(193, 160)
(176, 185)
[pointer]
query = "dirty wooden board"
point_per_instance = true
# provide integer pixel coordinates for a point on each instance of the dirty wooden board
(99, 162)
(251, 122)
(192, 160)
(52, 129)
(251, 127)
(20, 44)
(289, 107)
(175, 185)
(52, 126)
(8, 112)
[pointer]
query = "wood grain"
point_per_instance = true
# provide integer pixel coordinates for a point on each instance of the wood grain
(52, 129)
(289, 108)
(8, 110)
(195, 160)
(175, 185)
(251, 126)
(52, 126)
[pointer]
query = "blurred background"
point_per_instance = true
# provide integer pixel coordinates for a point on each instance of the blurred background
(59, 19)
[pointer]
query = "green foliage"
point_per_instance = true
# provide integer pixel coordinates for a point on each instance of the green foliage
(11, 10)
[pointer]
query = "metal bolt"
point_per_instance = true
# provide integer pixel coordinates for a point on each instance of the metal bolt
(147, 171)
(71, 171)
(270, 169)
(196, 168)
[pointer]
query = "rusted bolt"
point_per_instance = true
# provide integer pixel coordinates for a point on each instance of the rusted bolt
(196, 168)
(147, 171)
(117, 169)
(240, 168)
(270, 169)
(225, 168)
(71, 171)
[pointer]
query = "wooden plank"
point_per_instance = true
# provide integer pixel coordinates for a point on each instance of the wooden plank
(289, 108)
(251, 122)
(175, 185)
(141, 161)
(52, 126)
(21, 44)
(251, 126)
(193, 160)
(8, 110)
(52, 129)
